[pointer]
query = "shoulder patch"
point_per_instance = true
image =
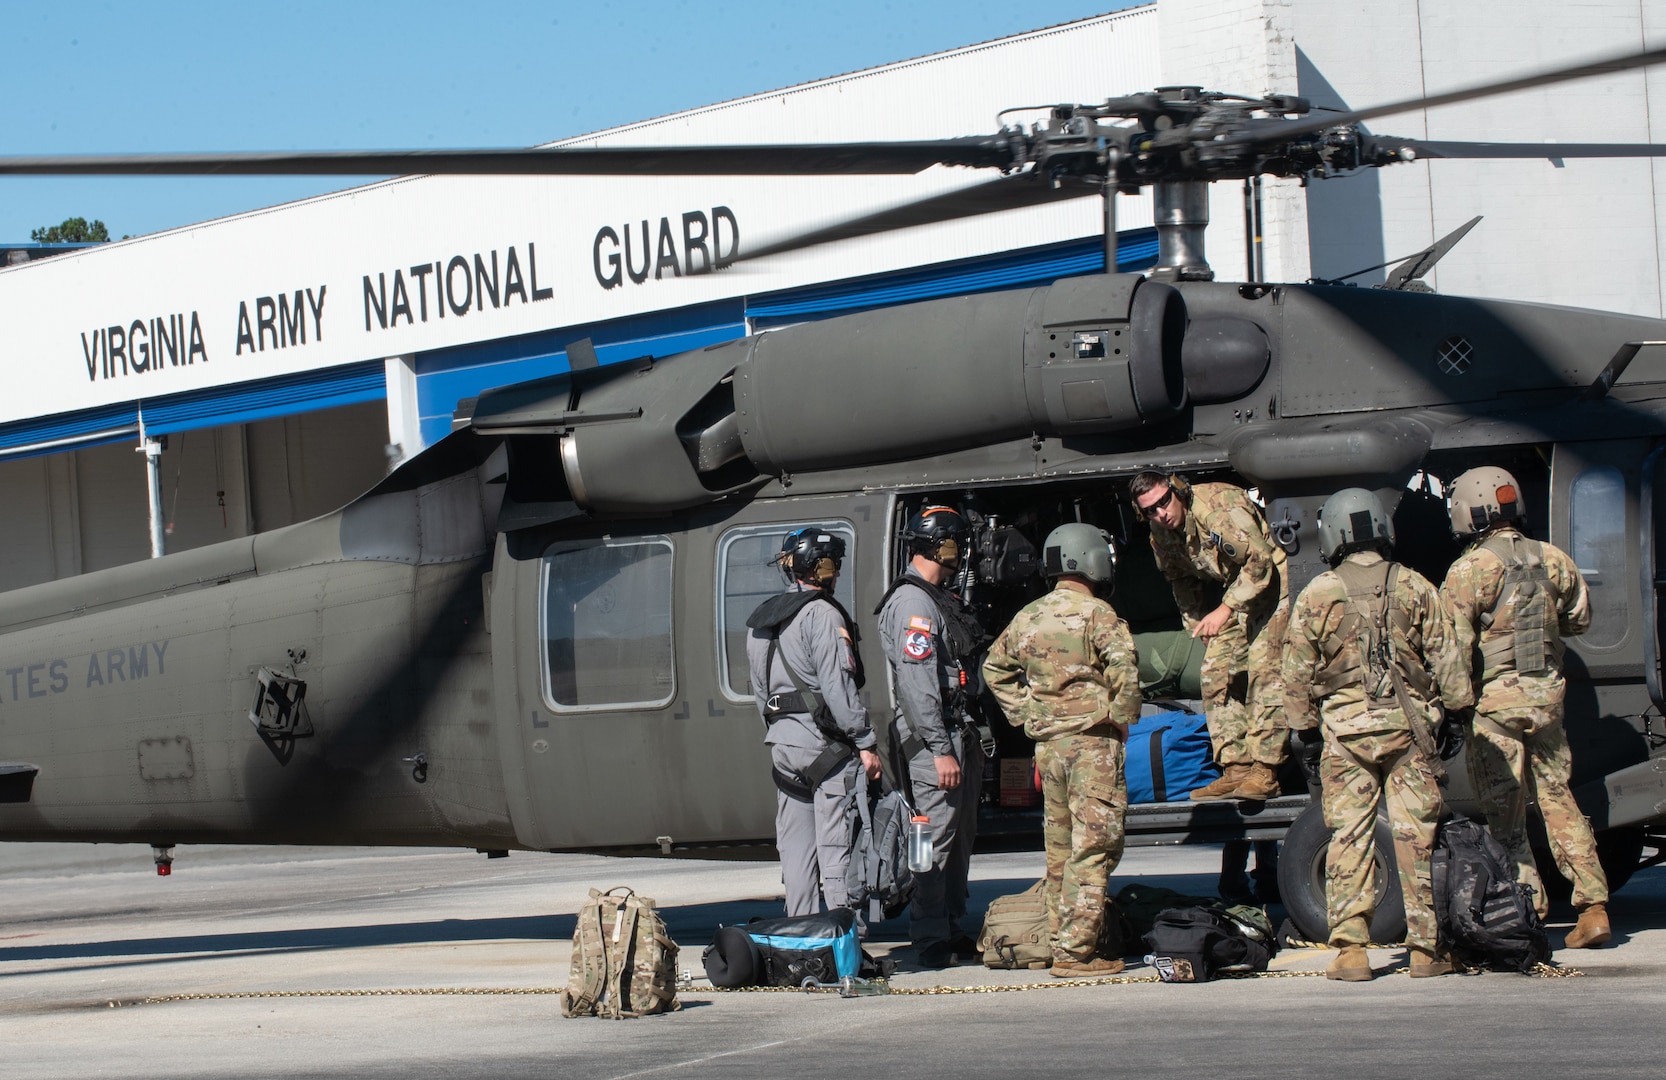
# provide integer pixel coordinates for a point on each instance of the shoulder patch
(1225, 547)
(916, 645)
(919, 622)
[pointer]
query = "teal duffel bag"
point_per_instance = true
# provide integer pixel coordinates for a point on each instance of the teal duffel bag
(1168, 756)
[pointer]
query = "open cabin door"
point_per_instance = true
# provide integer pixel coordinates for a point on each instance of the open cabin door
(1652, 517)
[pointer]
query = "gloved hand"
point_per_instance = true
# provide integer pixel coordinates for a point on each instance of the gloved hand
(1453, 732)
(1308, 744)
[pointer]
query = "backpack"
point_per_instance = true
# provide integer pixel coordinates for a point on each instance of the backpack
(878, 877)
(624, 962)
(1195, 944)
(1141, 904)
(1168, 755)
(1016, 933)
(793, 951)
(1486, 916)
(796, 950)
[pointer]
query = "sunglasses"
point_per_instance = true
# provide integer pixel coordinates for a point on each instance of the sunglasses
(1158, 505)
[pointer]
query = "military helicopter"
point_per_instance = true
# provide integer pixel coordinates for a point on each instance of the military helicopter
(530, 636)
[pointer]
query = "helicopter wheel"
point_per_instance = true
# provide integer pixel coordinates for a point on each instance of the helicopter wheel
(1301, 879)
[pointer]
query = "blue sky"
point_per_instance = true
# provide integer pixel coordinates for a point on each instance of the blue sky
(110, 77)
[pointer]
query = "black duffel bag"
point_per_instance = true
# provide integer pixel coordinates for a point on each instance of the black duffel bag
(1195, 944)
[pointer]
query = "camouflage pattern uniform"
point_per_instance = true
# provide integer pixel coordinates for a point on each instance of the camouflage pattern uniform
(1371, 752)
(1519, 745)
(1065, 668)
(1224, 539)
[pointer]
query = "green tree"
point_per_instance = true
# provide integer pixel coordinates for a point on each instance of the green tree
(73, 230)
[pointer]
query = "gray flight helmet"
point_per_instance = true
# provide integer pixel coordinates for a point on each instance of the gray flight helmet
(1353, 519)
(1082, 549)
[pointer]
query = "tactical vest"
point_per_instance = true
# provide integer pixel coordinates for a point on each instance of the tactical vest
(1520, 632)
(964, 638)
(1364, 650)
(773, 616)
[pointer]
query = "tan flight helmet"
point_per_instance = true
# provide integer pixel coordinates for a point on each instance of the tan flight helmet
(1353, 519)
(1483, 497)
(1080, 548)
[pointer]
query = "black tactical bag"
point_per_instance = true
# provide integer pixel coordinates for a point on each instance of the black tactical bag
(796, 950)
(1486, 916)
(1195, 944)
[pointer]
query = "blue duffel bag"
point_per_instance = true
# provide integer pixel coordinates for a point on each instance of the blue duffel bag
(1169, 755)
(790, 951)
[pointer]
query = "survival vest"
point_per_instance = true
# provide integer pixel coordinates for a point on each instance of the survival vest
(1371, 648)
(773, 616)
(1520, 632)
(964, 639)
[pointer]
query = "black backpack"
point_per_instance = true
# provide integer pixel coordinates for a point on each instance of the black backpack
(1195, 944)
(1486, 916)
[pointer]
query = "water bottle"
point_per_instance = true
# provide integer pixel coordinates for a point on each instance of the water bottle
(919, 844)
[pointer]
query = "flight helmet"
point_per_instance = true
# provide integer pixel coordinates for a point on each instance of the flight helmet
(939, 533)
(1079, 548)
(1483, 497)
(813, 556)
(1353, 519)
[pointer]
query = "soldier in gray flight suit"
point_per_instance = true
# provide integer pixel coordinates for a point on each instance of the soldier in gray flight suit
(805, 675)
(931, 640)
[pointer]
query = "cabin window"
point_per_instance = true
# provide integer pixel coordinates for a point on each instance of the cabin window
(746, 577)
(606, 623)
(1597, 519)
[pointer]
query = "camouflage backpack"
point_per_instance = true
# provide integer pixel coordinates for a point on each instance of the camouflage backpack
(1016, 934)
(624, 962)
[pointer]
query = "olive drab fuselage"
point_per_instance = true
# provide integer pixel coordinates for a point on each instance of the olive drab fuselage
(531, 634)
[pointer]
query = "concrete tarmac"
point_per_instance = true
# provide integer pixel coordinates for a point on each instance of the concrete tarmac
(252, 962)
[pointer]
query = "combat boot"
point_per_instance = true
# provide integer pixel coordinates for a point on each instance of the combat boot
(1260, 783)
(1427, 965)
(1592, 929)
(1223, 786)
(1351, 964)
(1085, 969)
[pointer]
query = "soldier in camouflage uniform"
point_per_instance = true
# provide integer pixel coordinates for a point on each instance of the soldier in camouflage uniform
(1212, 533)
(1368, 670)
(1515, 599)
(1065, 668)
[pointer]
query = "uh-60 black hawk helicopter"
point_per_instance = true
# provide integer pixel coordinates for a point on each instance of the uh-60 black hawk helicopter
(529, 636)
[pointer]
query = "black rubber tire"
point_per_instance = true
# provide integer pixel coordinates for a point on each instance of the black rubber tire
(1619, 850)
(1301, 880)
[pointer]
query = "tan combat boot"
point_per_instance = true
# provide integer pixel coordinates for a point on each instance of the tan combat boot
(1592, 928)
(1427, 965)
(1351, 964)
(1260, 783)
(1223, 786)
(1085, 969)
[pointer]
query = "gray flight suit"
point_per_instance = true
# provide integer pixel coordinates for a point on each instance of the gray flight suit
(924, 666)
(814, 838)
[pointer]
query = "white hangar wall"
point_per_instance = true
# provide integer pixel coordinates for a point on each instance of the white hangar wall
(1579, 232)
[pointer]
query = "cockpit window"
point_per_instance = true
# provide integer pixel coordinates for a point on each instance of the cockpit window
(606, 623)
(746, 577)
(1597, 520)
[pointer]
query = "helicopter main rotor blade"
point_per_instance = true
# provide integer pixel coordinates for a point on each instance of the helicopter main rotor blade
(1275, 133)
(987, 197)
(808, 159)
(1482, 150)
